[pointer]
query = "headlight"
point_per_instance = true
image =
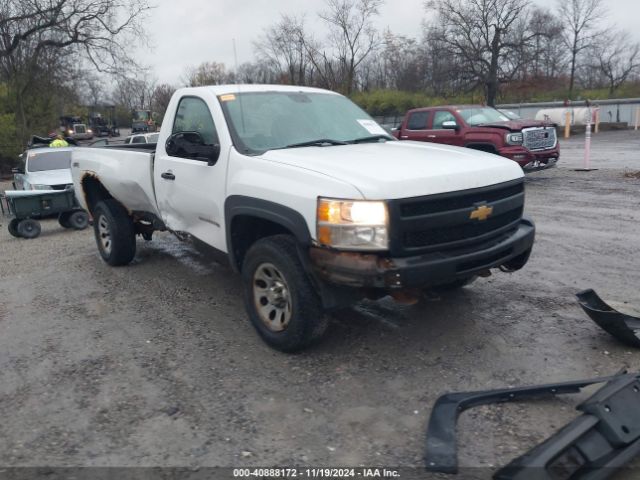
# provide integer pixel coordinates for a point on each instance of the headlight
(70, 132)
(40, 187)
(352, 225)
(514, 138)
(89, 131)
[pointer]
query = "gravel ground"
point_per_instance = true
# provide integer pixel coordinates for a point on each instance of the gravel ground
(156, 364)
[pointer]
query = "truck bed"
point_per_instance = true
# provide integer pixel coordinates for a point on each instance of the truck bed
(127, 173)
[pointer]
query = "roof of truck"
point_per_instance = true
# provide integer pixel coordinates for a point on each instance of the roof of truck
(226, 89)
(453, 107)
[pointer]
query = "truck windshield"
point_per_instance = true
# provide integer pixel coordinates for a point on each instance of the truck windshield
(49, 160)
(262, 121)
(480, 115)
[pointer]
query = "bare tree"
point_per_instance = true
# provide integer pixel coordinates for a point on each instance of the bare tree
(351, 38)
(579, 18)
(618, 58)
(401, 58)
(482, 34)
(547, 57)
(34, 31)
(160, 98)
(207, 73)
(135, 93)
(282, 46)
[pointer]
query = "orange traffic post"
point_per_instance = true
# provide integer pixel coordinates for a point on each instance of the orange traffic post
(567, 124)
(596, 120)
(637, 117)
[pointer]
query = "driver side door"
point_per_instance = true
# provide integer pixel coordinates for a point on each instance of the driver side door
(190, 191)
(439, 134)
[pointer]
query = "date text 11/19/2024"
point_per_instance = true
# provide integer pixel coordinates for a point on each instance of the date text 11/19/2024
(332, 473)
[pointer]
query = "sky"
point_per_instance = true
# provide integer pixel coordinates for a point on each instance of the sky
(186, 33)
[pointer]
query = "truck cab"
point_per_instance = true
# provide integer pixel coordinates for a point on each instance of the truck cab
(531, 144)
(309, 200)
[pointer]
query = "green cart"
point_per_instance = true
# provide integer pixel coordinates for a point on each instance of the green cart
(24, 205)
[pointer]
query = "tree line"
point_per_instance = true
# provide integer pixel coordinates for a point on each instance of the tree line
(54, 55)
(51, 53)
(482, 50)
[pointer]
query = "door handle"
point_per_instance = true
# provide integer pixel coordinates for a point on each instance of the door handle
(168, 176)
(431, 136)
(404, 136)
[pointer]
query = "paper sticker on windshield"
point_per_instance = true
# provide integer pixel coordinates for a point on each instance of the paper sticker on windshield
(227, 98)
(372, 127)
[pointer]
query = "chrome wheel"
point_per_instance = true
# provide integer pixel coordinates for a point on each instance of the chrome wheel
(272, 297)
(104, 234)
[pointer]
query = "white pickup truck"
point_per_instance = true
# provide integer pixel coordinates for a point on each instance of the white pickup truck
(309, 199)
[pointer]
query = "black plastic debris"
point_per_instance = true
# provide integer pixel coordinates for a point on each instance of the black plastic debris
(620, 325)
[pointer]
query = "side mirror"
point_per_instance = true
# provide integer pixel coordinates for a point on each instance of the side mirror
(450, 125)
(191, 145)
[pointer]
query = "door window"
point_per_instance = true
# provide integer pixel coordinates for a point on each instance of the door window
(417, 121)
(193, 116)
(440, 117)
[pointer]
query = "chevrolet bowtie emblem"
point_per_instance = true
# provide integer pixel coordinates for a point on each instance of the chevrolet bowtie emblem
(481, 213)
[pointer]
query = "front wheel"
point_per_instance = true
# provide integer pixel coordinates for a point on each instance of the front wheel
(114, 232)
(280, 300)
(28, 228)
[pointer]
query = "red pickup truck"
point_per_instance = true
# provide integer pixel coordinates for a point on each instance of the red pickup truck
(532, 144)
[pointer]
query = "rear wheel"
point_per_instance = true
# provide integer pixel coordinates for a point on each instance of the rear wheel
(28, 228)
(79, 220)
(281, 301)
(63, 219)
(114, 232)
(13, 227)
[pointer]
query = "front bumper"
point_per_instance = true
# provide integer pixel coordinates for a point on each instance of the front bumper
(360, 270)
(529, 160)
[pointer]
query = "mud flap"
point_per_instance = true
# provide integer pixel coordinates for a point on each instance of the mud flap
(622, 326)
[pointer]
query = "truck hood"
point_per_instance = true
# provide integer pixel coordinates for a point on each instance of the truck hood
(50, 177)
(515, 125)
(404, 169)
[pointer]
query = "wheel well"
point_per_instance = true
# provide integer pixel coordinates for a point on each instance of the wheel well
(484, 147)
(246, 230)
(94, 192)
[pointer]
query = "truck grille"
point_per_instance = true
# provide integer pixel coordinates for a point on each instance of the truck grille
(443, 222)
(539, 138)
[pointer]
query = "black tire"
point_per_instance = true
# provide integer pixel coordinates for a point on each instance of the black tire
(28, 228)
(79, 220)
(13, 228)
(114, 232)
(306, 321)
(63, 219)
(456, 285)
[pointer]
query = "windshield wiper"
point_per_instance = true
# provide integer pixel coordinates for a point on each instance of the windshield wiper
(316, 143)
(371, 138)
